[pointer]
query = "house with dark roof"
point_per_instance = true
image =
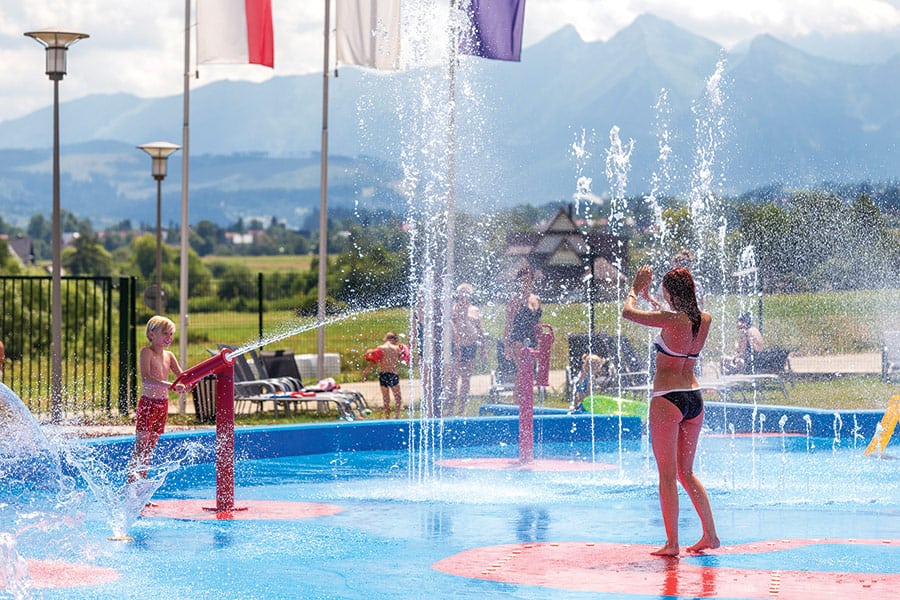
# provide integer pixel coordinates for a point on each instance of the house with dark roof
(21, 249)
(564, 255)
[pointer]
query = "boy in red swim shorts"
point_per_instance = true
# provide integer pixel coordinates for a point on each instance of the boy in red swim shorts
(156, 363)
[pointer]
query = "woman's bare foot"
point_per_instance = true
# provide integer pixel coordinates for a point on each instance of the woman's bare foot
(705, 543)
(667, 550)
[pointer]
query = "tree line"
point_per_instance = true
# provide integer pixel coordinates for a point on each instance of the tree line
(803, 242)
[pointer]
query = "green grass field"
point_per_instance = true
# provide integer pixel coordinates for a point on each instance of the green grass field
(265, 264)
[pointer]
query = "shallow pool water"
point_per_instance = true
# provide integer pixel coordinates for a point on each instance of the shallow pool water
(396, 523)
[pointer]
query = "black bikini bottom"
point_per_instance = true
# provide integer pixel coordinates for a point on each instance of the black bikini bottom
(689, 402)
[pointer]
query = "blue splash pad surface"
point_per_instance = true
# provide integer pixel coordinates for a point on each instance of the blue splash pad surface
(399, 518)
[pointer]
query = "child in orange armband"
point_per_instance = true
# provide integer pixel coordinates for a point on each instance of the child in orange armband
(387, 356)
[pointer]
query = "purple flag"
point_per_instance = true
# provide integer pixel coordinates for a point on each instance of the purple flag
(495, 29)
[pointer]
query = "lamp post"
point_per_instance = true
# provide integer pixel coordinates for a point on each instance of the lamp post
(56, 42)
(160, 152)
(757, 290)
(590, 274)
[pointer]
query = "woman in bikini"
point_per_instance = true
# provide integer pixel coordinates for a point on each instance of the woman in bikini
(676, 409)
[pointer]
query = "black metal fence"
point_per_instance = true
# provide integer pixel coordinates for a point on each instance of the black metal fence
(97, 343)
(103, 320)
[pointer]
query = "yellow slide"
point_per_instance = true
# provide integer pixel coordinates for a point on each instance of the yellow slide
(888, 422)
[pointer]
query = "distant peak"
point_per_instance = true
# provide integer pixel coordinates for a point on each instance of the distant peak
(765, 40)
(653, 25)
(650, 27)
(768, 45)
(651, 20)
(566, 34)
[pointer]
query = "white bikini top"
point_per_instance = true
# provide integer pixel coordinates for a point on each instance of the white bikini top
(660, 346)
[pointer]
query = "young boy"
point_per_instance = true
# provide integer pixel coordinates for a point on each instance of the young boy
(387, 356)
(156, 362)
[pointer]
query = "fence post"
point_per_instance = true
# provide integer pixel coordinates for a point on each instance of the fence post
(124, 314)
(259, 296)
(107, 345)
(132, 338)
(127, 345)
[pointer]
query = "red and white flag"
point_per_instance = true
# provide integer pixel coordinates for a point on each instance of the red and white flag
(368, 33)
(235, 32)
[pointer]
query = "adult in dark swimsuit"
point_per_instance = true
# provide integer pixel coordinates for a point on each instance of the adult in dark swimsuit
(523, 312)
(676, 409)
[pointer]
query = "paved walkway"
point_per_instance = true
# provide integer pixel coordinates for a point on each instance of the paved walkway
(837, 363)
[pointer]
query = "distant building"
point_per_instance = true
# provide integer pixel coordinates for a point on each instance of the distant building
(21, 249)
(239, 239)
(564, 256)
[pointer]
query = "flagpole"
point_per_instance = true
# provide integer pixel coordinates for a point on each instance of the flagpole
(185, 228)
(450, 266)
(323, 203)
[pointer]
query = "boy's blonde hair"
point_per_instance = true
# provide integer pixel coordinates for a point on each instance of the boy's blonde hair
(160, 323)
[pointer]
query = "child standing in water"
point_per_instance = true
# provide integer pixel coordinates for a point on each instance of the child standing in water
(156, 363)
(387, 356)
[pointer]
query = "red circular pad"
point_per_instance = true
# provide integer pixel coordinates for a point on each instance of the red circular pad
(46, 574)
(626, 569)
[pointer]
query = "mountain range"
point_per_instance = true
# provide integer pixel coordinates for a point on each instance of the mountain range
(787, 118)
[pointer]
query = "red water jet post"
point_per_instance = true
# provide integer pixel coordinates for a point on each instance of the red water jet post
(222, 366)
(525, 382)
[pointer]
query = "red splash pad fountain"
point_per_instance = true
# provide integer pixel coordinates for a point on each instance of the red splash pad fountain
(221, 366)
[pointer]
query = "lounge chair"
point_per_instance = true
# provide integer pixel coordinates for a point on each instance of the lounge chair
(204, 396)
(624, 363)
(253, 385)
(503, 379)
(769, 370)
(280, 364)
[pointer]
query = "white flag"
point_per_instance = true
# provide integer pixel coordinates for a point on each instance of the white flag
(368, 33)
(235, 31)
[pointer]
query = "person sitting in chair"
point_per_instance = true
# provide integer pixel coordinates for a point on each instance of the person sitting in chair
(750, 341)
(591, 379)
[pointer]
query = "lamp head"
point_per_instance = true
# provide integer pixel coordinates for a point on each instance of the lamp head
(57, 42)
(160, 152)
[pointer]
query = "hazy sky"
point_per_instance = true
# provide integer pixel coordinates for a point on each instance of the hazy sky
(138, 47)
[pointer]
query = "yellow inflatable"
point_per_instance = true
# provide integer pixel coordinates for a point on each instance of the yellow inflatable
(888, 423)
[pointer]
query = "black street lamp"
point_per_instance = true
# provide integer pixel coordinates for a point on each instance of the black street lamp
(57, 43)
(160, 152)
(589, 278)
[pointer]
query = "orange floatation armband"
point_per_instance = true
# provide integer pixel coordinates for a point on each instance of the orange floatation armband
(404, 353)
(374, 354)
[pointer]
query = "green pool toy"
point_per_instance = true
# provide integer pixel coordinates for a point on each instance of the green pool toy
(607, 405)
